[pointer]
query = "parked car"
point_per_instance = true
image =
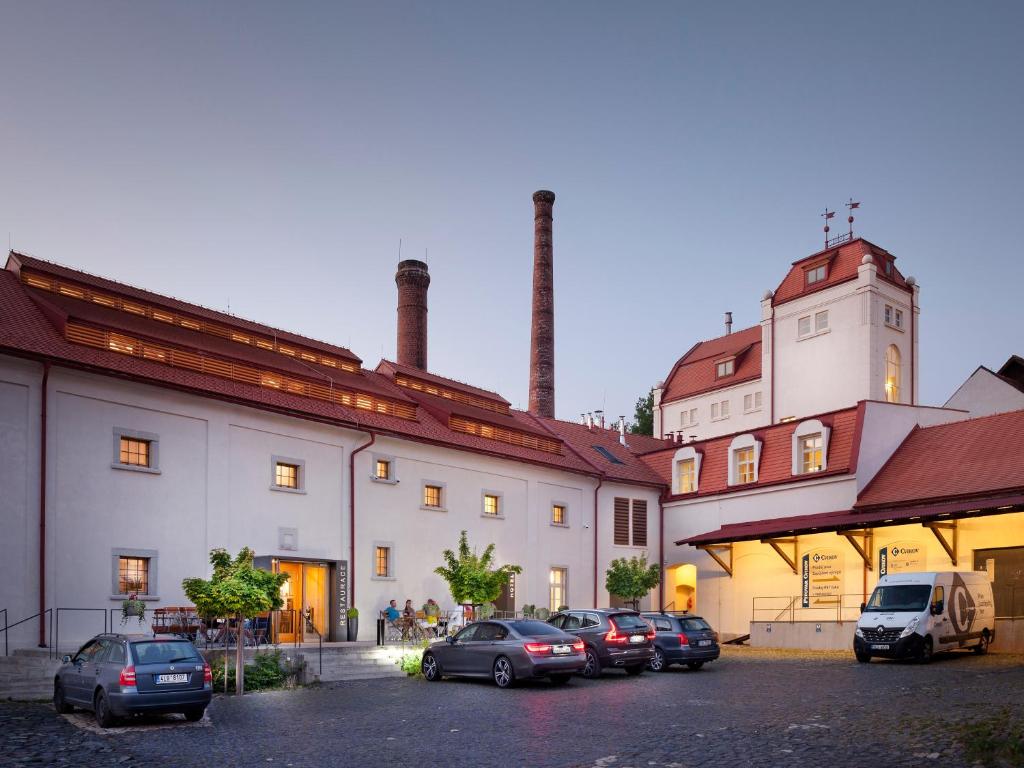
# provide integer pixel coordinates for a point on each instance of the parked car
(681, 639)
(612, 637)
(505, 651)
(117, 675)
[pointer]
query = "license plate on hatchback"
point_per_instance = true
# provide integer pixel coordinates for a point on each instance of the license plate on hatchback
(163, 679)
(637, 638)
(880, 647)
(561, 650)
(702, 643)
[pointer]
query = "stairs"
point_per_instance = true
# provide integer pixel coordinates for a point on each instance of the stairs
(352, 662)
(27, 674)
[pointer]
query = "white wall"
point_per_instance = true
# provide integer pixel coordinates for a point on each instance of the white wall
(737, 421)
(984, 393)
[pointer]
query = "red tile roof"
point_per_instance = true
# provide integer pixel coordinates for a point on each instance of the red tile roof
(965, 459)
(776, 455)
(390, 368)
(17, 261)
(31, 326)
(696, 372)
(843, 262)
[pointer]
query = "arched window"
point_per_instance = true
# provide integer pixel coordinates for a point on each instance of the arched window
(892, 374)
(686, 473)
(744, 459)
(810, 447)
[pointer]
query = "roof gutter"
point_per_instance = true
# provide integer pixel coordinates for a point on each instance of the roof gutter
(352, 514)
(42, 504)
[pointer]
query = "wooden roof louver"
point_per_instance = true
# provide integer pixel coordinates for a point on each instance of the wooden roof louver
(503, 434)
(180, 358)
(622, 521)
(455, 395)
(140, 309)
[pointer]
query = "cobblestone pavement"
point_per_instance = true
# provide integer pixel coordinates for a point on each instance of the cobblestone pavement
(751, 708)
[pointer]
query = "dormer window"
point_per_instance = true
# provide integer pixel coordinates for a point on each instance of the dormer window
(686, 470)
(744, 458)
(725, 368)
(810, 447)
(816, 274)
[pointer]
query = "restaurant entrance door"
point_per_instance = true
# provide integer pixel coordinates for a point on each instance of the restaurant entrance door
(306, 600)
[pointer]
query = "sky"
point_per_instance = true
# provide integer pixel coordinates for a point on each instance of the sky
(271, 157)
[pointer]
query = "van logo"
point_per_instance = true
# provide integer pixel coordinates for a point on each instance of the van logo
(962, 608)
(879, 629)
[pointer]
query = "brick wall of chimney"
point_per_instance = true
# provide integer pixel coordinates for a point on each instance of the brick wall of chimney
(412, 280)
(542, 331)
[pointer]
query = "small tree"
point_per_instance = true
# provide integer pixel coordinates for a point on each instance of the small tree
(471, 578)
(631, 579)
(643, 416)
(236, 590)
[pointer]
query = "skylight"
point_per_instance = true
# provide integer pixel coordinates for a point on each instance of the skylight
(607, 454)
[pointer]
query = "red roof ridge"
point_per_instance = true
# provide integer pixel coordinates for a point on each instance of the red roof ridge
(686, 359)
(410, 370)
(780, 425)
(162, 298)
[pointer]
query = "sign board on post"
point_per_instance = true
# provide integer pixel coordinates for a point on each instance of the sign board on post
(342, 571)
(901, 556)
(822, 578)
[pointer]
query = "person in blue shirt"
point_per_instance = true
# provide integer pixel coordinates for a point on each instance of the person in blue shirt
(392, 611)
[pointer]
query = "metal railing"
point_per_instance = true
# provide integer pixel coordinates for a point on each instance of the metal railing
(56, 637)
(788, 609)
(8, 627)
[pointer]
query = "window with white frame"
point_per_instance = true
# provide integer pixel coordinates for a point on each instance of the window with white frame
(898, 318)
(558, 581)
(887, 314)
(687, 470)
(744, 459)
(752, 402)
(803, 326)
(432, 496)
(693, 416)
(724, 409)
(821, 321)
(287, 474)
(810, 447)
(816, 274)
(714, 411)
(893, 374)
(382, 470)
(725, 368)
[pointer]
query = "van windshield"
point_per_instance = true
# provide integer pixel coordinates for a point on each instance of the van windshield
(900, 597)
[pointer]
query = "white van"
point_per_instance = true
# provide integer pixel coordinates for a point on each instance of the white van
(917, 614)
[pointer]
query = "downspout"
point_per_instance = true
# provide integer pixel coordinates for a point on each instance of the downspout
(661, 553)
(42, 505)
(913, 355)
(352, 516)
(771, 385)
(600, 482)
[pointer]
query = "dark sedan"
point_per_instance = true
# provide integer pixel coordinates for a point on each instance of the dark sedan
(506, 651)
(681, 639)
(116, 675)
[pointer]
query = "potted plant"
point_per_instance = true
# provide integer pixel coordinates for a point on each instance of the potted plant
(352, 614)
(133, 606)
(529, 611)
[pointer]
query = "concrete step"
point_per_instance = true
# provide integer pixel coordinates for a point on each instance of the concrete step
(341, 677)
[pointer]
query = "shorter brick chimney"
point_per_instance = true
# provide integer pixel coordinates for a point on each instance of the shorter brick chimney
(412, 280)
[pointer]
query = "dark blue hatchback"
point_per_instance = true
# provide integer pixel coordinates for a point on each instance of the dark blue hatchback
(681, 639)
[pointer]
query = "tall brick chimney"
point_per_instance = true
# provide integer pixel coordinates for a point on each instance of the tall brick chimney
(412, 280)
(542, 332)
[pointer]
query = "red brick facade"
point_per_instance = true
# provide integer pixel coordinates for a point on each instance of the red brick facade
(412, 280)
(542, 335)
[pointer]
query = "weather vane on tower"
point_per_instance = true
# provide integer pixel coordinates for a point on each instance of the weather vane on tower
(851, 205)
(826, 216)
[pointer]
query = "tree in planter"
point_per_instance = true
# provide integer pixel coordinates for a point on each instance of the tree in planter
(631, 579)
(471, 578)
(236, 590)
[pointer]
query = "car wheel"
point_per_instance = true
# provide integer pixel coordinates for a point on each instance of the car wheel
(657, 664)
(635, 670)
(502, 673)
(695, 665)
(927, 650)
(560, 679)
(194, 714)
(982, 646)
(593, 667)
(863, 658)
(430, 668)
(60, 703)
(101, 707)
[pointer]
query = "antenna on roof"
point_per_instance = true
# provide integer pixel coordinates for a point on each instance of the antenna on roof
(399, 249)
(826, 216)
(426, 255)
(851, 205)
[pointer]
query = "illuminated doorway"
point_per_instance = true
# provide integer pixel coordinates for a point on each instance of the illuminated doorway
(306, 599)
(681, 588)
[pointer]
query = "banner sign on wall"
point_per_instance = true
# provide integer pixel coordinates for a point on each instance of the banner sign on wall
(822, 578)
(901, 556)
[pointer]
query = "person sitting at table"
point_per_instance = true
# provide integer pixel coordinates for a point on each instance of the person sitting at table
(392, 611)
(409, 612)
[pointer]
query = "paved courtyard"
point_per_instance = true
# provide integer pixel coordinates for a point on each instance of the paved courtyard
(752, 708)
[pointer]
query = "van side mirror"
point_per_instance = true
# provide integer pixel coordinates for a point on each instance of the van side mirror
(863, 607)
(937, 607)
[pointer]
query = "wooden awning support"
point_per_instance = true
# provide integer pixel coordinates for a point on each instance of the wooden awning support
(714, 549)
(777, 544)
(862, 541)
(949, 546)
